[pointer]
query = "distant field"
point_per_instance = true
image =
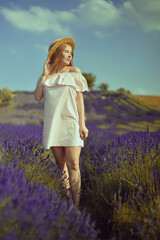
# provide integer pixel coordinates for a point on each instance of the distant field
(150, 100)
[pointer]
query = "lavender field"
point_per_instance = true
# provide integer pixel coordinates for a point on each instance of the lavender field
(120, 167)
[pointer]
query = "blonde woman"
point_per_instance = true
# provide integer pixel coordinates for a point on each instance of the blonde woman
(64, 130)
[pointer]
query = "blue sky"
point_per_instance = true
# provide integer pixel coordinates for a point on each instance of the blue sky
(118, 41)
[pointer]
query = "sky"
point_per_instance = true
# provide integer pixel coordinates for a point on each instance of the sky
(117, 41)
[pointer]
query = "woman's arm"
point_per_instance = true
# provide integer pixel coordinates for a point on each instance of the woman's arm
(80, 102)
(80, 106)
(81, 111)
(38, 93)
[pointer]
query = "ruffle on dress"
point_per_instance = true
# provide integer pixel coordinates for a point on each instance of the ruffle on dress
(76, 80)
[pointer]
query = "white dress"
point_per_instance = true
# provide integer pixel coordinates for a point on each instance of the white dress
(61, 118)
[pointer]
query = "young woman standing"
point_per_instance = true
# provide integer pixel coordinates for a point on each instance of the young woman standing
(64, 130)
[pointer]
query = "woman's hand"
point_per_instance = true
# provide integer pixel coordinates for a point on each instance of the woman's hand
(83, 132)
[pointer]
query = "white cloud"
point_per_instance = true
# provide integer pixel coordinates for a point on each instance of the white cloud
(140, 91)
(104, 15)
(38, 19)
(101, 14)
(101, 17)
(142, 13)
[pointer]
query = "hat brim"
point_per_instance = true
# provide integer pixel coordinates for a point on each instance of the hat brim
(59, 42)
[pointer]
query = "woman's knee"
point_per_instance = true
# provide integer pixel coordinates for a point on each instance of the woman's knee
(72, 157)
(73, 164)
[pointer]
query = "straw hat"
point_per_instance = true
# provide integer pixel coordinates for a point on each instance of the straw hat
(54, 45)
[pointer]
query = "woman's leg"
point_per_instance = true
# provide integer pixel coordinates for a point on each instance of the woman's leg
(59, 155)
(72, 155)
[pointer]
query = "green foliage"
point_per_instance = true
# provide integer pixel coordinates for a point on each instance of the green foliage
(138, 104)
(140, 221)
(108, 107)
(90, 80)
(5, 94)
(103, 126)
(139, 126)
(122, 90)
(37, 171)
(120, 192)
(104, 87)
(127, 196)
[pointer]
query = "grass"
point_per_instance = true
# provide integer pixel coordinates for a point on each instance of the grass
(108, 107)
(140, 126)
(103, 126)
(127, 194)
(153, 101)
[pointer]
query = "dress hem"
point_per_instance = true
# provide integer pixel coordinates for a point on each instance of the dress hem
(47, 148)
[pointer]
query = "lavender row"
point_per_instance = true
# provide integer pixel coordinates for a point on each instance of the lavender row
(32, 206)
(120, 176)
(121, 181)
(113, 111)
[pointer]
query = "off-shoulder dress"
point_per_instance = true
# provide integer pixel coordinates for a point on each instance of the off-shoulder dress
(61, 118)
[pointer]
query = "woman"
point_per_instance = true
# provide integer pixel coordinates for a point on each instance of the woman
(64, 130)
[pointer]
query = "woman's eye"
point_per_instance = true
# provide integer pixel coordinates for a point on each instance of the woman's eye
(67, 52)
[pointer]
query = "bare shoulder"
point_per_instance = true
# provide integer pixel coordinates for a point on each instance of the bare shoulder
(75, 69)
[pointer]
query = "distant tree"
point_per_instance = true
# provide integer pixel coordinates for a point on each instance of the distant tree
(90, 80)
(122, 90)
(5, 94)
(104, 87)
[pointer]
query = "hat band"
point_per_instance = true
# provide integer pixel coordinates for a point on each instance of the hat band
(52, 45)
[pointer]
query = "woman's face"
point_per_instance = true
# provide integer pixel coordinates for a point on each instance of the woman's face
(66, 56)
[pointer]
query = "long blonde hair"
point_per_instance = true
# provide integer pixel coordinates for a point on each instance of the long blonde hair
(55, 59)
